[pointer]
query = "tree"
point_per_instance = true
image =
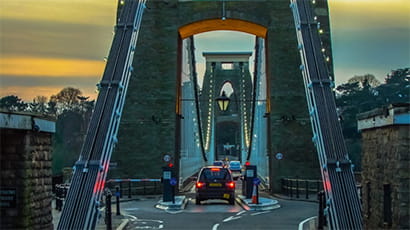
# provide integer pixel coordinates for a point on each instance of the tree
(12, 103)
(363, 93)
(66, 99)
(39, 104)
(369, 79)
(396, 88)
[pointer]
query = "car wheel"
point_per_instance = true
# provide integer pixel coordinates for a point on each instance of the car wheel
(197, 201)
(232, 201)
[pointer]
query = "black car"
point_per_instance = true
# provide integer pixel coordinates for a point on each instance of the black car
(215, 182)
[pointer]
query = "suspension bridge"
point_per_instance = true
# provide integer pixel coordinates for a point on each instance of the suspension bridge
(197, 118)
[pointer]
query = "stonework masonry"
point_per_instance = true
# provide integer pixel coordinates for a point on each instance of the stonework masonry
(25, 179)
(149, 126)
(386, 168)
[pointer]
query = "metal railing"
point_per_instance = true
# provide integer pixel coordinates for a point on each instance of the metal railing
(130, 187)
(301, 188)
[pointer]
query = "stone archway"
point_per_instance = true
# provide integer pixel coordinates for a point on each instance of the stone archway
(150, 121)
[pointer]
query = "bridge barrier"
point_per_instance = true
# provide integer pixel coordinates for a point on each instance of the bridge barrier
(60, 194)
(300, 188)
(130, 187)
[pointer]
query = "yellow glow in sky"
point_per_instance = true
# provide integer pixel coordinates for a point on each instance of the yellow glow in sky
(369, 13)
(50, 67)
(69, 11)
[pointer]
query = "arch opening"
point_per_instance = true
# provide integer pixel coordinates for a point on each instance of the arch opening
(219, 24)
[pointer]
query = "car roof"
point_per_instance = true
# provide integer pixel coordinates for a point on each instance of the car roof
(213, 166)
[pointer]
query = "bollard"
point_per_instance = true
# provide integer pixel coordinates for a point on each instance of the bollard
(117, 195)
(108, 213)
(320, 196)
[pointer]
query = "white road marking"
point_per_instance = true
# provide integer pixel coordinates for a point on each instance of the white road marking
(258, 213)
(131, 216)
(232, 218)
(241, 212)
(131, 209)
(215, 227)
(173, 212)
(148, 224)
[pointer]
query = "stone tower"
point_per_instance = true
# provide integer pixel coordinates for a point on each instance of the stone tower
(151, 118)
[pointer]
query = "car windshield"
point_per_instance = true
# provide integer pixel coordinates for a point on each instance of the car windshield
(234, 164)
(208, 174)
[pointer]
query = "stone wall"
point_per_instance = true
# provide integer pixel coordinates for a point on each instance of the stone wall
(26, 169)
(386, 162)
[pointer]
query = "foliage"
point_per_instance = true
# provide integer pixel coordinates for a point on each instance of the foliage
(364, 93)
(73, 112)
(12, 103)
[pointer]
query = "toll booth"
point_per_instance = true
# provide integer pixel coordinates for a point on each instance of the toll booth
(248, 181)
(169, 182)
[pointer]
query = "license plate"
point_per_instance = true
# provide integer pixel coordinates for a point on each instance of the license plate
(227, 195)
(215, 185)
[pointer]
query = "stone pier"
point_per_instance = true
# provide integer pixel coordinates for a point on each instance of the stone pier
(25, 171)
(386, 167)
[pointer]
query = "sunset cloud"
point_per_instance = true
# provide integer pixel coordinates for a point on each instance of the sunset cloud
(27, 93)
(71, 11)
(50, 67)
(51, 44)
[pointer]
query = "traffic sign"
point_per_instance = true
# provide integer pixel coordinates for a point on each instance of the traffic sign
(256, 181)
(173, 181)
(279, 156)
(167, 158)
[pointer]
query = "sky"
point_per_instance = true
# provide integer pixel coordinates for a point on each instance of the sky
(46, 45)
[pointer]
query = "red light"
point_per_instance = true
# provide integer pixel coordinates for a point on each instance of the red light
(230, 184)
(200, 184)
(247, 163)
(170, 165)
(215, 169)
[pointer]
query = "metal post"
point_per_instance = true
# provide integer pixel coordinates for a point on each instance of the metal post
(290, 187)
(320, 196)
(282, 183)
(120, 189)
(129, 189)
(108, 213)
(118, 195)
(297, 187)
(144, 186)
(307, 189)
(173, 194)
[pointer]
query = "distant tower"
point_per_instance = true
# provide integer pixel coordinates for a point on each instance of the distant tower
(226, 72)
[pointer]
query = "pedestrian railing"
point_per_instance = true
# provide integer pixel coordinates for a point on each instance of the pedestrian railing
(130, 187)
(119, 187)
(60, 195)
(301, 188)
